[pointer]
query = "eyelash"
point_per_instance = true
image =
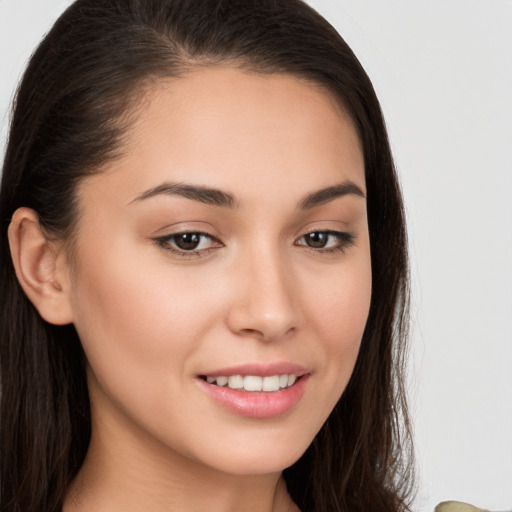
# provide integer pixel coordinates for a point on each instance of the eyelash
(165, 242)
(345, 240)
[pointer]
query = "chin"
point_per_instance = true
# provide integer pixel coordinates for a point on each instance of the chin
(257, 465)
(256, 458)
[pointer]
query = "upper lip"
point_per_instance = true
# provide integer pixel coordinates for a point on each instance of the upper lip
(259, 369)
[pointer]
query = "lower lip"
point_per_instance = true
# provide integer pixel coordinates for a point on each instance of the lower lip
(257, 404)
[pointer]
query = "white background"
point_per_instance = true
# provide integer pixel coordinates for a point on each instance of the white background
(443, 72)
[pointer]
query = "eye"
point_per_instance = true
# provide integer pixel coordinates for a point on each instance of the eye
(188, 243)
(327, 240)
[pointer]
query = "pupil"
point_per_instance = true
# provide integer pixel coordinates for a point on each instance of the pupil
(187, 241)
(316, 240)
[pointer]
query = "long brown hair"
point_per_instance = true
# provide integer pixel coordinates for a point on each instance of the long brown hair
(69, 117)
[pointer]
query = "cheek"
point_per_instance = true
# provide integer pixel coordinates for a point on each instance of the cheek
(338, 312)
(345, 311)
(135, 317)
(339, 301)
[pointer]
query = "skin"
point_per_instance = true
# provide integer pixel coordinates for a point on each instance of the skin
(152, 320)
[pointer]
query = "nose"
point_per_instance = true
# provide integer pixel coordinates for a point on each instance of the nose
(264, 305)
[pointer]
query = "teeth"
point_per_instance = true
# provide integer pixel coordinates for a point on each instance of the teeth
(254, 382)
(236, 382)
(271, 383)
(222, 381)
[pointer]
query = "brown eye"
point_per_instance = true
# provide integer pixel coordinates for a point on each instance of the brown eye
(187, 241)
(190, 242)
(327, 241)
(317, 240)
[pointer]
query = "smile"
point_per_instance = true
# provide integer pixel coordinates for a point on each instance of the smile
(269, 383)
(257, 391)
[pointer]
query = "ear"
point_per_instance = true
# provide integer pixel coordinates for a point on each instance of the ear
(41, 267)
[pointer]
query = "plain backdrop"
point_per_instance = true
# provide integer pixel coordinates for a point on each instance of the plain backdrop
(443, 72)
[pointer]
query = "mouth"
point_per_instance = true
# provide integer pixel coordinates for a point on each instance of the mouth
(253, 383)
(257, 391)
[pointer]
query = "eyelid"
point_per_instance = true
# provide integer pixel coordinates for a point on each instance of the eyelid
(345, 239)
(165, 242)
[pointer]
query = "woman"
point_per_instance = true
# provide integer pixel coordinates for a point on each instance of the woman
(204, 269)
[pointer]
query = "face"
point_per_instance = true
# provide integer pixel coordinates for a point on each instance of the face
(228, 243)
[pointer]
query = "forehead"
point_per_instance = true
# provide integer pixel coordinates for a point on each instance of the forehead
(229, 129)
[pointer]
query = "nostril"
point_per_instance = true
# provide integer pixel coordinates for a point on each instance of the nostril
(267, 334)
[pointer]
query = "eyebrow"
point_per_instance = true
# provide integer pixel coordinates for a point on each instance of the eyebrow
(216, 197)
(327, 194)
(199, 193)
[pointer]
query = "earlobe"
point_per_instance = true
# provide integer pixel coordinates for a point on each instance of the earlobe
(41, 267)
